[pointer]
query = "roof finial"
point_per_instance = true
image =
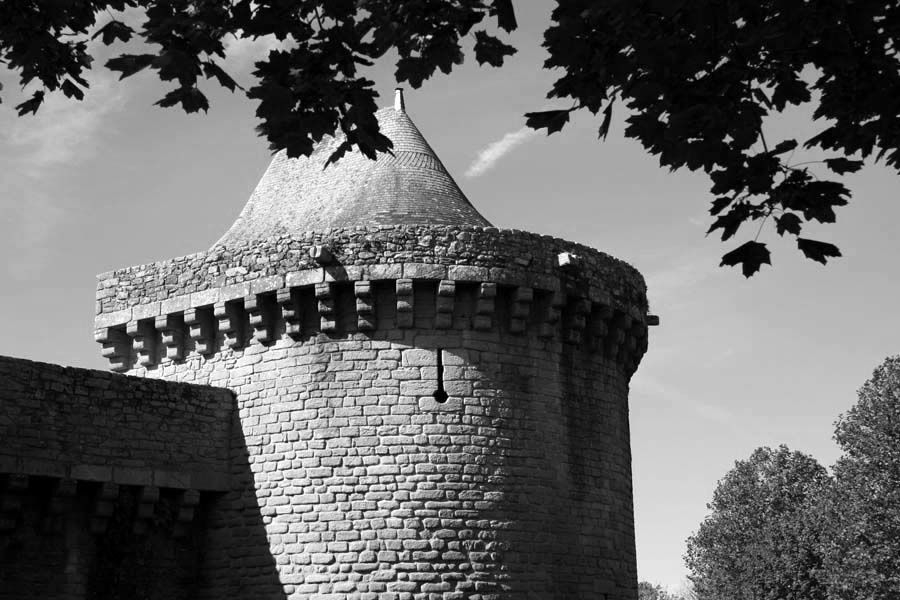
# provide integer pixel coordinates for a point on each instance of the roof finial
(399, 104)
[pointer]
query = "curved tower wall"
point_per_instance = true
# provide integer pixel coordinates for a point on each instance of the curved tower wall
(518, 485)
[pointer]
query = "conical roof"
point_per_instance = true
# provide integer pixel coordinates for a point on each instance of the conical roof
(410, 186)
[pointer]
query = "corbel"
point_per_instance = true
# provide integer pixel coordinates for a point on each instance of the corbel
(521, 308)
(615, 339)
(228, 317)
(552, 315)
(143, 340)
(577, 320)
(446, 297)
(365, 305)
(148, 496)
(64, 491)
(200, 325)
(598, 326)
(10, 495)
(115, 347)
(485, 306)
(103, 507)
(188, 501)
(171, 328)
(404, 303)
(327, 313)
(260, 312)
(290, 311)
(61, 499)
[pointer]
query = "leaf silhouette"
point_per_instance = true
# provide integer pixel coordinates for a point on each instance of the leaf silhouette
(818, 251)
(750, 255)
(32, 105)
(551, 120)
(788, 222)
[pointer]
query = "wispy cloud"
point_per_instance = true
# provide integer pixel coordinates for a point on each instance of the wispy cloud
(493, 152)
(63, 131)
(33, 150)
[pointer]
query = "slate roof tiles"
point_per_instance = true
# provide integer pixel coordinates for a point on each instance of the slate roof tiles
(410, 187)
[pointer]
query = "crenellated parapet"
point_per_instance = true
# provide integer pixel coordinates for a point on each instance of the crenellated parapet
(361, 299)
(456, 253)
(366, 280)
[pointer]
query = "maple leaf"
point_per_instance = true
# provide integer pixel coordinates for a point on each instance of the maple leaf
(750, 255)
(818, 251)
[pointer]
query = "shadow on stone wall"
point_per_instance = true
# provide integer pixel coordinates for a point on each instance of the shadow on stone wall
(67, 540)
(237, 559)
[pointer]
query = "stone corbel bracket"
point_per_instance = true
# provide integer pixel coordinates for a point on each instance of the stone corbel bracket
(336, 300)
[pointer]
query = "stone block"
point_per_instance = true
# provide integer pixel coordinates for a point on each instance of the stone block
(343, 273)
(417, 357)
(383, 271)
(91, 472)
(233, 292)
(145, 311)
(306, 277)
(428, 404)
(44, 468)
(176, 304)
(109, 319)
(205, 297)
(266, 284)
(417, 388)
(171, 479)
(132, 476)
(424, 271)
(468, 273)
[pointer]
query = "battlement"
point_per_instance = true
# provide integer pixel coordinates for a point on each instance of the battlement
(232, 298)
(425, 296)
(504, 256)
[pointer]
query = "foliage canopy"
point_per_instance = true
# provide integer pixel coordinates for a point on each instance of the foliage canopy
(698, 77)
(754, 545)
(780, 528)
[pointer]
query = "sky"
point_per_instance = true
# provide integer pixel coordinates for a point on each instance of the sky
(734, 364)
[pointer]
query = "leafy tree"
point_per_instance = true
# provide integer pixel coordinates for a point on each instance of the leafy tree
(698, 77)
(862, 550)
(755, 543)
(648, 591)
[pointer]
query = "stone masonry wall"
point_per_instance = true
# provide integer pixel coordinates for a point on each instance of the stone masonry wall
(517, 486)
(97, 426)
(521, 258)
(104, 482)
(428, 412)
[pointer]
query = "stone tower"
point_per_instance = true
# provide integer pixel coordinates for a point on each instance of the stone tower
(426, 406)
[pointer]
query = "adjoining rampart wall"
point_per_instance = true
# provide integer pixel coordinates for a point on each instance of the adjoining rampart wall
(107, 482)
(96, 426)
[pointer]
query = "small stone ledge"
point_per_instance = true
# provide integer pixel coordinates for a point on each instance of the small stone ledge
(208, 481)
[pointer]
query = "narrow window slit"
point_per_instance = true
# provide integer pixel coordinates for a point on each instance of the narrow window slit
(439, 394)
